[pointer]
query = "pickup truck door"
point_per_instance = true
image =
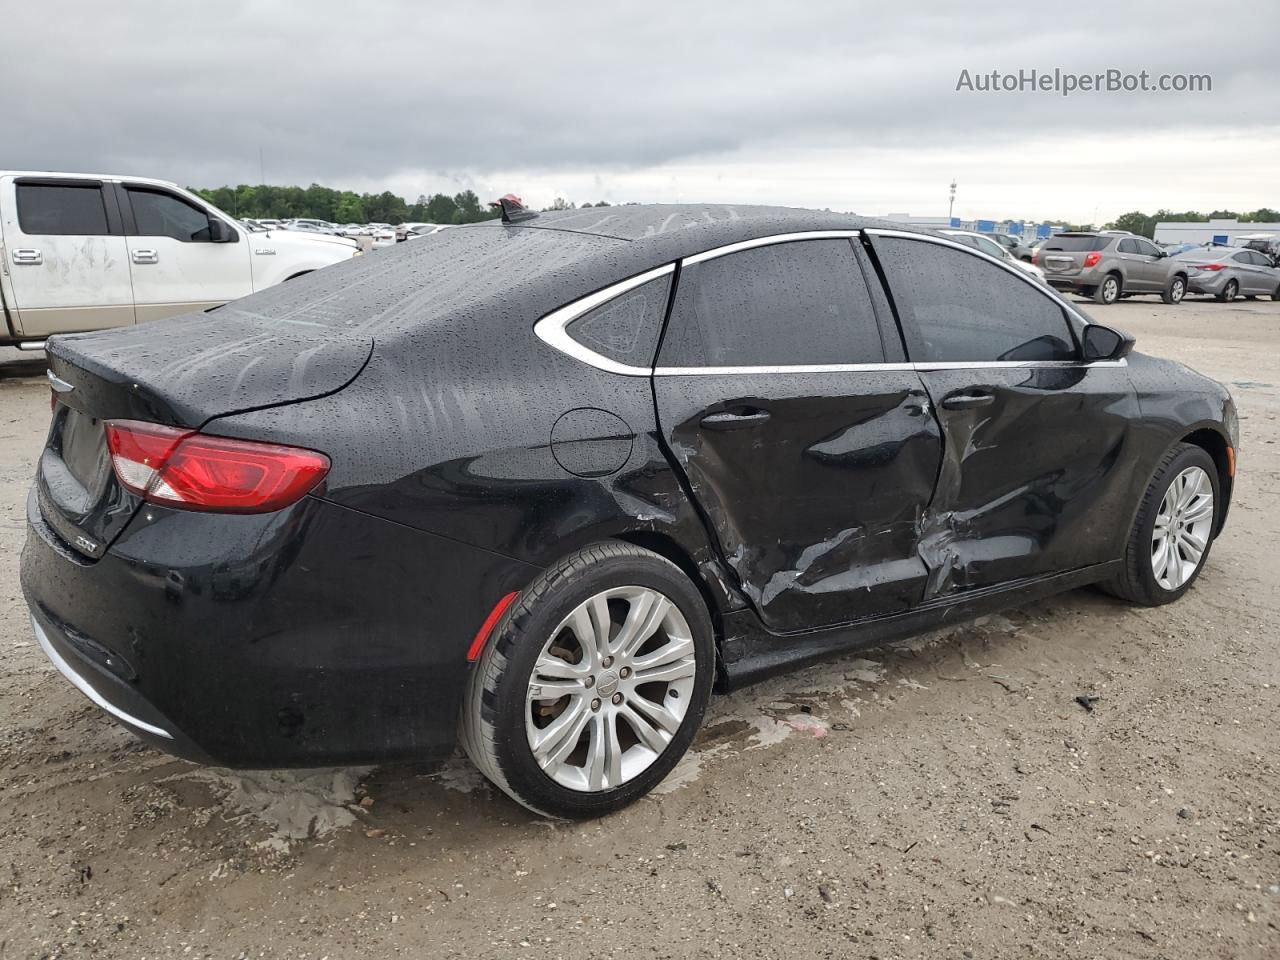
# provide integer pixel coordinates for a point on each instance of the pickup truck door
(175, 264)
(64, 256)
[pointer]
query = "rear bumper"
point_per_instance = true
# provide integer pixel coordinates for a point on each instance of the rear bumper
(1211, 282)
(314, 636)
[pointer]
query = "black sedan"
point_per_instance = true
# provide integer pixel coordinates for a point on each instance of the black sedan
(538, 485)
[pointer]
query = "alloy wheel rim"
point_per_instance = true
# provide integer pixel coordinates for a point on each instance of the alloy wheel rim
(1178, 289)
(610, 689)
(1183, 525)
(1109, 289)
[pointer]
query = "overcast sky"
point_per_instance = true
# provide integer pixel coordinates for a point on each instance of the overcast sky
(823, 104)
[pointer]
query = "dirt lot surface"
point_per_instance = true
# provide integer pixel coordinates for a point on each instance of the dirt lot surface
(947, 797)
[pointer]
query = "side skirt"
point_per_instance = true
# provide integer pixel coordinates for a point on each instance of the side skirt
(750, 653)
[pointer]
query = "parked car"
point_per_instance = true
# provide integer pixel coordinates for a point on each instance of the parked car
(1267, 244)
(1028, 251)
(383, 236)
(1109, 265)
(86, 252)
(985, 243)
(538, 483)
(404, 230)
(426, 230)
(311, 226)
(1227, 272)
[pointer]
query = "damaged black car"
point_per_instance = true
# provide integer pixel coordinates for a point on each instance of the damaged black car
(539, 485)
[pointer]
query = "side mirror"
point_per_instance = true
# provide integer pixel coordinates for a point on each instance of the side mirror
(1104, 343)
(222, 232)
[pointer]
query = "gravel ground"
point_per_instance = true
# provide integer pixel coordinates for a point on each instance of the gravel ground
(946, 797)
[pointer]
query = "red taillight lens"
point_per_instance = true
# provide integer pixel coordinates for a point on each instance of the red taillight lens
(1035, 257)
(1212, 266)
(186, 469)
(1091, 259)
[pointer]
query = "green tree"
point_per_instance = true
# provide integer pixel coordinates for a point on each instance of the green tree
(441, 209)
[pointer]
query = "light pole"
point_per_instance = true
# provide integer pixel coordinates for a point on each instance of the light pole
(952, 205)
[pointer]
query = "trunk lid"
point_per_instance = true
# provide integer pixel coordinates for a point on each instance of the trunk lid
(182, 372)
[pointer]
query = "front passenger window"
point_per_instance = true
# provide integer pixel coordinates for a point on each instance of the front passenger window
(161, 214)
(959, 308)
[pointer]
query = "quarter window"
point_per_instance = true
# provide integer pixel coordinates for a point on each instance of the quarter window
(51, 210)
(626, 328)
(956, 307)
(163, 215)
(786, 304)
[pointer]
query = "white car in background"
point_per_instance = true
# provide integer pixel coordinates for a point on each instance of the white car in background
(83, 252)
(990, 247)
(383, 234)
(311, 226)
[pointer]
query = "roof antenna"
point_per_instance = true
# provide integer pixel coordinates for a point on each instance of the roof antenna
(513, 209)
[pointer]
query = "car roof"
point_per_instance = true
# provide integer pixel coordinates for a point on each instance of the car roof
(667, 231)
(62, 175)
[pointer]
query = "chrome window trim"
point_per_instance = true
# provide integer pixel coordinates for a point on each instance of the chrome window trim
(87, 689)
(922, 367)
(769, 241)
(551, 328)
(1023, 275)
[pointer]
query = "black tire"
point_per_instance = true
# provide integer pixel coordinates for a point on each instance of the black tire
(1109, 290)
(492, 725)
(1229, 292)
(1137, 582)
(1275, 294)
(1176, 290)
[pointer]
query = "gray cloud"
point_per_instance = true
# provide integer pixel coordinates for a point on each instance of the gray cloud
(348, 92)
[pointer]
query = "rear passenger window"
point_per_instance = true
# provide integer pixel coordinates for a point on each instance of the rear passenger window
(626, 328)
(164, 215)
(957, 308)
(787, 304)
(58, 210)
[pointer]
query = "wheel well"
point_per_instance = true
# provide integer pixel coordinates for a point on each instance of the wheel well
(669, 548)
(300, 273)
(1214, 444)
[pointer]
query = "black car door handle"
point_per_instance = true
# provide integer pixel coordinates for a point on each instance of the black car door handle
(964, 400)
(736, 419)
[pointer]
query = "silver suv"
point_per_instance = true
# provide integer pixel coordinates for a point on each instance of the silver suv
(1108, 266)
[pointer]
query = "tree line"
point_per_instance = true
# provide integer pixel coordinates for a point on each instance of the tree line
(1145, 225)
(318, 202)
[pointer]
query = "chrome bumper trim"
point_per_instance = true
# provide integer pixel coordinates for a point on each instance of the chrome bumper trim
(86, 688)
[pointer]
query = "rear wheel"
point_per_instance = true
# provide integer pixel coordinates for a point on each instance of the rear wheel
(1275, 294)
(1108, 291)
(1172, 531)
(1229, 292)
(1176, 290)
(593, 684)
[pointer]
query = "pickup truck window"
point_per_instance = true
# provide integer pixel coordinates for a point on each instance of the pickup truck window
(160, 214)
(46, 210)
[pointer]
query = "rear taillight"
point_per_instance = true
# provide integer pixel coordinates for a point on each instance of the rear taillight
(182, 468)
(1035, 257)
(1212, 266)
(1091, 259)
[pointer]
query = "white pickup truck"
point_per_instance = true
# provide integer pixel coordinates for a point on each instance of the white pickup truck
(84, 252)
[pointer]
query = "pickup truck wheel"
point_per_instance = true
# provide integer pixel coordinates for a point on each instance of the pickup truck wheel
(1176, 290)
(1108, 291)
(1229, 292)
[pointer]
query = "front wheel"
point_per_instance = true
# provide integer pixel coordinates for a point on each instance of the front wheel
(1176, 290)
(593, 683)
(1172, 531)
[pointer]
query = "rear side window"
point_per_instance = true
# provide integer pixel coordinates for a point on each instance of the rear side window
(1127, 246)
(160, 214)
(58, 210)
(1075, 244)
(786, 304)
(957, 308)
(625, 329)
